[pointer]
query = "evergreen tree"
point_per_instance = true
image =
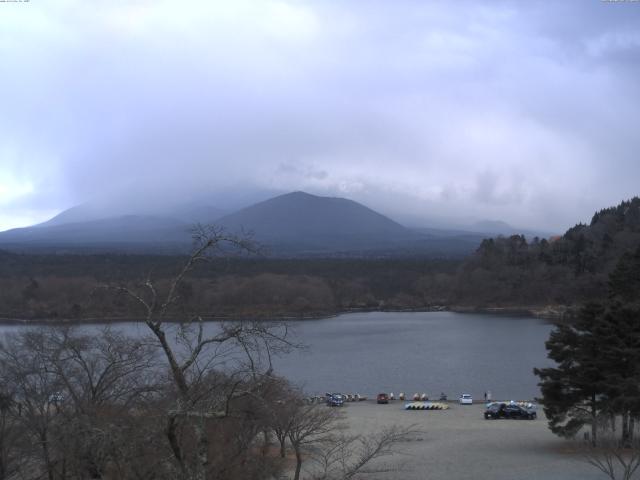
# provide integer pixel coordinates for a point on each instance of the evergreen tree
(598, 360)
(618, 332)
(624, 281)
(574, 392)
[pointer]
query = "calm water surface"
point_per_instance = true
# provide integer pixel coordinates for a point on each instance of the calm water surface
(412, 352)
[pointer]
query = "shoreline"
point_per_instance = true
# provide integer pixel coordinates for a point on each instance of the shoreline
(547, 312)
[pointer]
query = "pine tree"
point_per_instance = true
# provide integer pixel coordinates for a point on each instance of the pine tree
(624, 281)
(598, 361)
(574, 392)
(619, 333)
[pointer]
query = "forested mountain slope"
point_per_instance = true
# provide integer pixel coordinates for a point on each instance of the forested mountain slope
(564, 270)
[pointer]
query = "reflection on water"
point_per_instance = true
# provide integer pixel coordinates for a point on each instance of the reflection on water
(412, 352)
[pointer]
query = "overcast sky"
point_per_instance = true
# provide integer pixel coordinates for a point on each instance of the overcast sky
(522, 111)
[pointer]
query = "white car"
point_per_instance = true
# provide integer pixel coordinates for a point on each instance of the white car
(465, 399)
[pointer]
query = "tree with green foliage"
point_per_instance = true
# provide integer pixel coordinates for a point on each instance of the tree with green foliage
(619, 330)
(624, 281)
(598, 361)
(575, 390)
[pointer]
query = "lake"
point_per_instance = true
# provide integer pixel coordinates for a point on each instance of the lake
(412, 352)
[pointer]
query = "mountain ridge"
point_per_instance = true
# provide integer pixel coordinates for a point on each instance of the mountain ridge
(295, 223)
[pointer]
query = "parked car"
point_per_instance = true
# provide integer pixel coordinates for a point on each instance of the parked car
(383, 398)
(465, 399)
(506, 410)
(335, 399)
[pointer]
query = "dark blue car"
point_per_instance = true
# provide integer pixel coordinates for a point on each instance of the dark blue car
(335, 399)
(507, 410)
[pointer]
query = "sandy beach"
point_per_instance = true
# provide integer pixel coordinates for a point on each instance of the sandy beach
(460, 444)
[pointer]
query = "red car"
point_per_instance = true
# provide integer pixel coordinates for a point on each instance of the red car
(383, 398)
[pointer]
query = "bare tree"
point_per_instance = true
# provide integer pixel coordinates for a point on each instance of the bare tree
(242, 348)
(282, 409)
(35, 389)
(618, 459)
(12, 437)
(72, 396)
(107, 368)
(344, 457)
(309, 425)
(106, 378)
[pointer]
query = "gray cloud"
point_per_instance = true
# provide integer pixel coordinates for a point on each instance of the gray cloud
(449, 110)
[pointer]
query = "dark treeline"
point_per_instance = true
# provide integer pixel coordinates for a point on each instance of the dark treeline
(503, 272)
(59, 287)
(567, 270)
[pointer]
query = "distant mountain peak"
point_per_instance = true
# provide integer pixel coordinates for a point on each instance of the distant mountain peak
(498, 227)
(493, 224)
(298, 193)
(302, 195)
(312, 223)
